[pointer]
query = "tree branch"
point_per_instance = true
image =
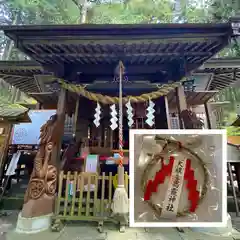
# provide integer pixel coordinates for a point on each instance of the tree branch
(76, 3)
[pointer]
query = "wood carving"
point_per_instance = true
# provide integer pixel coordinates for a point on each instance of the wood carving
(39, 197)
(190, 119)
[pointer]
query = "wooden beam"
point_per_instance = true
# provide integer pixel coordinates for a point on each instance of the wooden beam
(122, 39)
(120, 56)
(181, 98)
(109, 69)
(222, 63)
(20, 65)
(159, 78)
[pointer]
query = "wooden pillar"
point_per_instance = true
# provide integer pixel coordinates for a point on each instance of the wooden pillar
(111, 138)
(230, 173)
(76, 116)
(208, 118)
(181, 103)
(237, 171)
(105, 134)
(61, 114)
(108, 140)
(47, 163)
(161, 114)
(99, 132)
(167, 112)
(38, 106)
(102, 137)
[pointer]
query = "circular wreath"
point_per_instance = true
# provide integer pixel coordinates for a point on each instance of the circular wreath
(158, 157)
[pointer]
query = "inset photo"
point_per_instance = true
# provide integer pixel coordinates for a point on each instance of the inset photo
(178, 178)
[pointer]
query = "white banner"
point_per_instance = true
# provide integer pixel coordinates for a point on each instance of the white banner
(91, 165)
(171, 202)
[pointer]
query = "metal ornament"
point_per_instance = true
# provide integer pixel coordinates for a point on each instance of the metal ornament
(114, 118)
(97, 115)
(120, 74)
(150, 115)
(129, 113)
(189, 85)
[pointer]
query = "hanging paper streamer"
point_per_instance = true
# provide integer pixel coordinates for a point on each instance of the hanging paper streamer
(114, 119)
(97, 115)
(129, 113)
(150, 115)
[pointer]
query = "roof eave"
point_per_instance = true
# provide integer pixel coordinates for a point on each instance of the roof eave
(94, 30)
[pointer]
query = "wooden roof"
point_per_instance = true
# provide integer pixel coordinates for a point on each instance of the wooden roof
(37, 85)
(12, 112)
(28, 76)
(154, 52)
(225, 72)
(192, 98)
(20, 74)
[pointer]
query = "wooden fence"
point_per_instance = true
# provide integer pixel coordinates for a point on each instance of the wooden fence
(86, 196)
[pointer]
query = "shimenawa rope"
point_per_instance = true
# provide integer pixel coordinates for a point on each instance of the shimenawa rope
(162, 91)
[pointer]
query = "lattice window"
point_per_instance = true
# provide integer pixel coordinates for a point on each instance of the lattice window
(68, 125)
(174, 121)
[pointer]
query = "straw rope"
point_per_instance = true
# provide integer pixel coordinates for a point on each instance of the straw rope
(162, 91)
(156, 158)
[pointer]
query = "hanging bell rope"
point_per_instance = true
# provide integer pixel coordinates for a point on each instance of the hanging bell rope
(162, 91)
(120, 203)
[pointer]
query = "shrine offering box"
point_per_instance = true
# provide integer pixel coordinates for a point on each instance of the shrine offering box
(180, 180)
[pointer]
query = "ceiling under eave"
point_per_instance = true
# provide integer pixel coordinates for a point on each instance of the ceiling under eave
(192, 98)
(155, 52)
(225, 72)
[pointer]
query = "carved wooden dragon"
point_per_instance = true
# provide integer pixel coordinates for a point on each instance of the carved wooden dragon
(39, 197)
